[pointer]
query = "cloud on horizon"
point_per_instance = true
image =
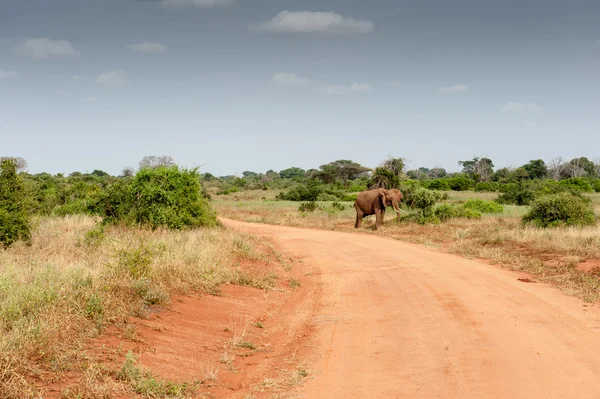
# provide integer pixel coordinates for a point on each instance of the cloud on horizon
(313, 22)
(458, 88)
(43, 48)
(148, 47)
(288, 79)
(342, 89)
(115, 79)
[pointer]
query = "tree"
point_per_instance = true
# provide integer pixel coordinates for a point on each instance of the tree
(536, 169)
(583, 167)
(99, 173)
(128, 171)
(270, 175)
(20, 163)
(153, 161)
(478, 169)
(14, 221)
(341, 170)
(248, 173)
(437, 173)
(384, 178)
(394, 165)
(291, 173)
(556, 168)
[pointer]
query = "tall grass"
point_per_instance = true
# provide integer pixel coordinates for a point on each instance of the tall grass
(76, 278)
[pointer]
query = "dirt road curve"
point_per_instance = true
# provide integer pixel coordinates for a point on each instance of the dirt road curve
(404, 321)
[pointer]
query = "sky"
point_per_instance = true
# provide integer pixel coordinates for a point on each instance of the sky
(235, 85)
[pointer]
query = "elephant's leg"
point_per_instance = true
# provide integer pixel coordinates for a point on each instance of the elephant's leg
(378, 219)
(359, 216)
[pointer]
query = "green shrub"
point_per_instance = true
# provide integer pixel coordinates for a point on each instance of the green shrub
(560, 210)
(437, 184)
(577, 184)
(164, 196)
(484, 206)
(327, 197)
(14, 218)
(350, 197)
(596, 186)
(308, 206)
(460, 183)
(303, 192)
(446, 212)
(516, 195)
(489, 186)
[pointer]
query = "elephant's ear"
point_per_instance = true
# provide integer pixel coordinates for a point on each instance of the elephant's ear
(382, 193)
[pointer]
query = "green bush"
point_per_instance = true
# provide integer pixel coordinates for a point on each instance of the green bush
(516, 195)
(489, 186)
(446, 212)
(14, 218)
(308, 206)
(596, 186)
(424, 200)
(165, 196)
(437, 184)
(460, 183)
(338, 206)
(577, 184)
(560, 210)
(484, 206)
(303, 192)
(350, 197)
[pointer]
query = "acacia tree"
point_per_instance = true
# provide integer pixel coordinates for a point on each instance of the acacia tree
(341, 170)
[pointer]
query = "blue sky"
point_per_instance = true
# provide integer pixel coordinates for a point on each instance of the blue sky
(240, 85)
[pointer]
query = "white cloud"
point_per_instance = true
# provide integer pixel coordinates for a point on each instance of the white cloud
(458, 88)
(7, 74)
(314, 22)
(341, 89)
(197, 3)
(46, 48)
(77, 78)
(89, 99)
(286, 79)
(530, 124)
(520, 107)
(114, 79)
(147, 47)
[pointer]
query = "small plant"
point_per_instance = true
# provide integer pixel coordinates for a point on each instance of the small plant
(136, 262)
(247, 345)
(258, 324)
(561, 210)
(93, 307)
(336, 205)
(307, 206)
(294, 283)
(94, 237)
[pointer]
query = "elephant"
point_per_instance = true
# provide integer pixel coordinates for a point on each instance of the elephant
(373, 202)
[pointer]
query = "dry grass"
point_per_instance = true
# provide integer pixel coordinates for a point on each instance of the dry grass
(551, 254)
(75, 279)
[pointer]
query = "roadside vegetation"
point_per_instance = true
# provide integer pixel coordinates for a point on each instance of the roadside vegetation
(81, 252)
(124, 246)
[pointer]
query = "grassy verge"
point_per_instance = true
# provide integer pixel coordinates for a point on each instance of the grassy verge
(551, 254)
(76, 279)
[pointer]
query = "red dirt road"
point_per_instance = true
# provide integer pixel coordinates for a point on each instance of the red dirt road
(399, 320)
